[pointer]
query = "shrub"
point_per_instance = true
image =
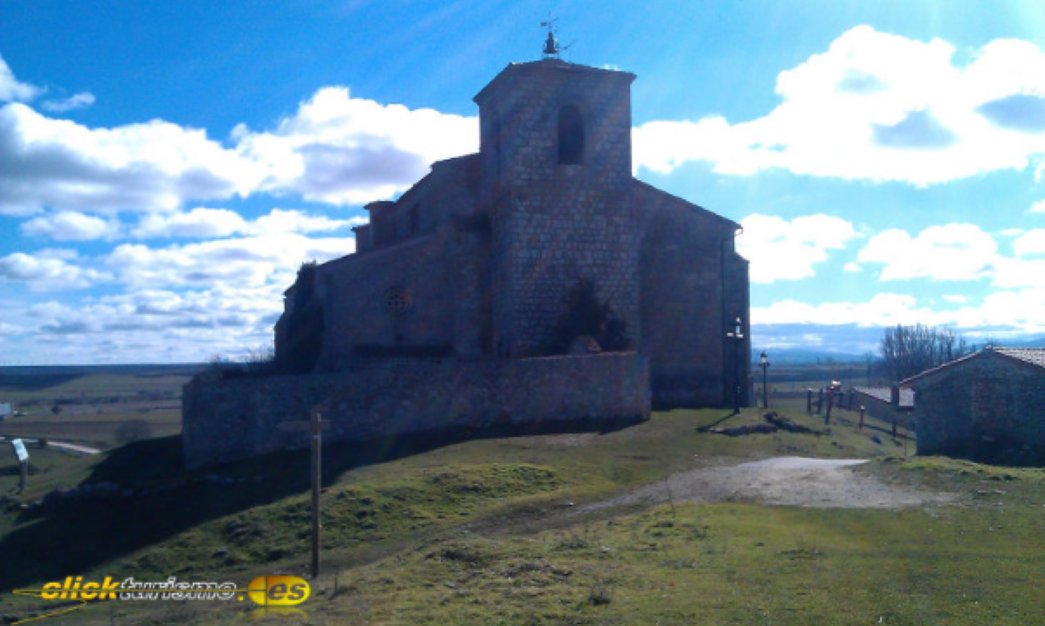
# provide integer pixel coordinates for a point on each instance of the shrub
(583, 314)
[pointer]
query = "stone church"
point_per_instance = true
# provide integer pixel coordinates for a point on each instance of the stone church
(534, 282)
(474, 261)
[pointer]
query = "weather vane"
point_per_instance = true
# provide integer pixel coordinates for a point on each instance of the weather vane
(552, 49)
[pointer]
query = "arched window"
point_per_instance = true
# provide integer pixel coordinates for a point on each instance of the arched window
(571, 135)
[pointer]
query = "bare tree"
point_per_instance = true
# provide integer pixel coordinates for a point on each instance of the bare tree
(908, 350)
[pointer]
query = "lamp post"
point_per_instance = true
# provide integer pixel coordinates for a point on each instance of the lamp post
(763, 362)
(738, 336)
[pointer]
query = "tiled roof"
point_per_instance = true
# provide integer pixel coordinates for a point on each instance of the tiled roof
(1034, 356)
(1029, 356)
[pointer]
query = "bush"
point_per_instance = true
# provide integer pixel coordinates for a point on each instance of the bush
(583, 314)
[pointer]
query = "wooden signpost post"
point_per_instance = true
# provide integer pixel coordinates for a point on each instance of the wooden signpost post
(315, 425)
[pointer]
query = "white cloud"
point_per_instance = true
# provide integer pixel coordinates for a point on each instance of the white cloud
(271, 258)
(75, 101)
(345, 150)
(948, 252)
(787, 250)
(11, 89)
(289, 221)
(71, 226)
(334, 148)
(204, 223)
(200, 222)
(49, 270)
(1030, 242)
(877, 107)
(171, 326)
(1037, 207)
(954, 298)
(1020, 310)
(153, 166)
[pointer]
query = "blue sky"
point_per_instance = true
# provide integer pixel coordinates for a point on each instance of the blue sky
(166, 166)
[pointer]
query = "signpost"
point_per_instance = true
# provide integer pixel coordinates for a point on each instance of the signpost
(315, 425)
(23, 462)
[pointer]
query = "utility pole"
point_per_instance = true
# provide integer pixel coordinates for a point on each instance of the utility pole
(315, 426)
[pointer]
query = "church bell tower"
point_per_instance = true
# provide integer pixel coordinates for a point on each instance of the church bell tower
(555, 180)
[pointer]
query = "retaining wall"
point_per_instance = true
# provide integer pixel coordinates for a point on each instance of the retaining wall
(226, 420)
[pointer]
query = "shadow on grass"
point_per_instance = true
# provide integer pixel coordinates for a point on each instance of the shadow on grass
(157, 499)
(705, 428)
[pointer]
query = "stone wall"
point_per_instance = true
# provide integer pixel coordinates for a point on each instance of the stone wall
(693, 287)
(554, 224)
(226, 420)
(880, 408)
(362, 299)
(988, 407)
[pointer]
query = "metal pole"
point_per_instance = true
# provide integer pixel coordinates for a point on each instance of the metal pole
(736, 391)
(765, 392)
(317, 450)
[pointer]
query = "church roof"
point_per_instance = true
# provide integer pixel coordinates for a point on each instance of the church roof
(515, 70)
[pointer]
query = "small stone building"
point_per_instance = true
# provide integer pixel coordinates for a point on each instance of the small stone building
(988, 406)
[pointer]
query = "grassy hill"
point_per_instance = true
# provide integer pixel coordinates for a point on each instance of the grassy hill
(495, 530)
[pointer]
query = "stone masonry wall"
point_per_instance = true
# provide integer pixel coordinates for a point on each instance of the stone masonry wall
(356, 291)
(555, 224)
(226, 420)
(689, 298)
(556, 240)
(988, 402)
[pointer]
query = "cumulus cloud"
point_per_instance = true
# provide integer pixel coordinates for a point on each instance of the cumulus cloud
(334, 148)
(201, 223)
(271, 258)
(172, 326)
(1037, 207)
(75, 101)
(1021, 310)
(878, 107)
(71, 226)
(206, 223)
(155, 166)
(344, 150)
(948, 252)
(49, 270)
(11, 88)
(1029, 243)
(787, 250)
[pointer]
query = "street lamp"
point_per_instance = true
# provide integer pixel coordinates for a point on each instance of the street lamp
(738, 336)
(763, 362)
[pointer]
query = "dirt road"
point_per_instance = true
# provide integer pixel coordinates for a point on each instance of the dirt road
(784, 481)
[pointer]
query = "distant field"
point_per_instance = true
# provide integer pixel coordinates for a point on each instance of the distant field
(99, 406)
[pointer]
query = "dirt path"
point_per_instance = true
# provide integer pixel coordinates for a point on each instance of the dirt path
(784, 481)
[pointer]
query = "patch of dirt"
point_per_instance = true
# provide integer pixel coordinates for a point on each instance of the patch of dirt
(781, 481)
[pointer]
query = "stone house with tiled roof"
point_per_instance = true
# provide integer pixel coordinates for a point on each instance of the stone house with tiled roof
(987, 406)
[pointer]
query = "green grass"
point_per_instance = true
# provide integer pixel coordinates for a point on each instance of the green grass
(476, 532)
(719, 563)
